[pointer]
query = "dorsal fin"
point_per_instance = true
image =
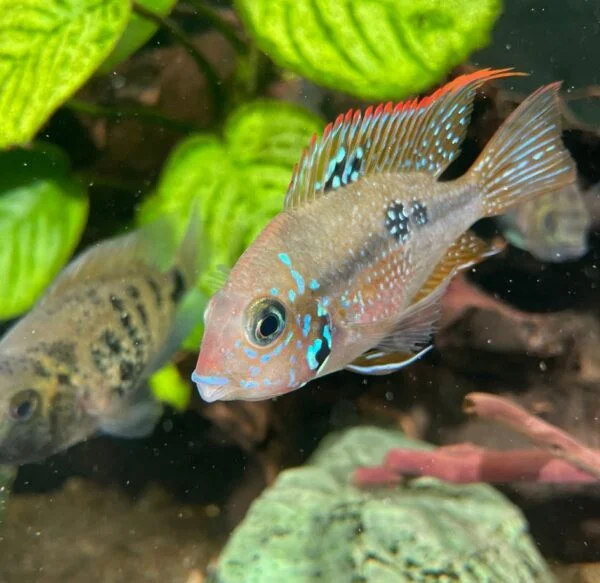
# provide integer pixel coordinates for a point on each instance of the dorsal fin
(153, 244)
(417, 135)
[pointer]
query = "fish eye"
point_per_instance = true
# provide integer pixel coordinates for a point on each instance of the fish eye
(24, 404)
(265, 321)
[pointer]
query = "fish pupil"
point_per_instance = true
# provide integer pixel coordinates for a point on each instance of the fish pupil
(268, 325)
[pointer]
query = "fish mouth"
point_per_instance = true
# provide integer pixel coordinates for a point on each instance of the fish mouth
(211, 388)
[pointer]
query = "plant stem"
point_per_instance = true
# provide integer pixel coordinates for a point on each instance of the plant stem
(220, 24)
(144, 114)
(212, 79)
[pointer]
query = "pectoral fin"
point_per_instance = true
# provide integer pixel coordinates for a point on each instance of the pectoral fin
(136, 419)
(412, 332)
(465, 252)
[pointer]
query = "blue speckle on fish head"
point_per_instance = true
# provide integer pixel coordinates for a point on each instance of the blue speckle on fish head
(264, 342)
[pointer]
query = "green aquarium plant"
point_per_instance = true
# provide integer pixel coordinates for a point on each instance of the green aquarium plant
(237, 165)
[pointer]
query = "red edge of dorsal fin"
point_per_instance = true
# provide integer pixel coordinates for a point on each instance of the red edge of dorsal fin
(387, 138)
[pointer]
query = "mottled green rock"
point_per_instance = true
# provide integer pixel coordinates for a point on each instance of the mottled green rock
(313, 526)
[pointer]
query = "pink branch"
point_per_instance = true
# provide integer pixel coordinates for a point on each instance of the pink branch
(561, 459)
(466, 464)
(556, 442)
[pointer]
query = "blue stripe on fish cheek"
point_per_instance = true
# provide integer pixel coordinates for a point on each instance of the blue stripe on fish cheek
(254, 371)
(299, 281)
(306, 325)
(292, 296)
(311, 354)
(397, 223)
(250, 353)
(314, 284)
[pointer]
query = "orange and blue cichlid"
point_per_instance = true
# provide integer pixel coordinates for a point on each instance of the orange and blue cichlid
(351, 273)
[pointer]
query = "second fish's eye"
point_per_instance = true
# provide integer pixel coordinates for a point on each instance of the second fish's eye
(24, 404)
(266, 321)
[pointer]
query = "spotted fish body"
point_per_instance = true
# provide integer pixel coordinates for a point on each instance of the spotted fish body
(552, 228)
(350, 274)
(77, 362)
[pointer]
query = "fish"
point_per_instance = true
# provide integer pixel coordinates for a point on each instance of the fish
(76, 365)
(553, 228)
(351, 272)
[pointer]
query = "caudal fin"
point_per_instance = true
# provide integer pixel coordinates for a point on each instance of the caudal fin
(526, 158)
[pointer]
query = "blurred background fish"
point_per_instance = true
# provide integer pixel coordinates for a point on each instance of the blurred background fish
(78, 362)
(552, 228)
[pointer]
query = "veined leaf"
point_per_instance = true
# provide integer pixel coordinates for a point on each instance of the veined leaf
(42, 215)
(138, 32)
(375, 49)
(48, 49)
(239, 182)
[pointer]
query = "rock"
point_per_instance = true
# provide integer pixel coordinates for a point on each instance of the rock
(314, 526)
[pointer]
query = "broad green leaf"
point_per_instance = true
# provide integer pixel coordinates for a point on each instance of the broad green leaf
(239, 182)
(48, 49)
(168, 387)
(375, 49)
(42, 215)
(138, 32)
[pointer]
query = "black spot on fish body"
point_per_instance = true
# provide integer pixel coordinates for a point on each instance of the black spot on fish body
(127, 371)
(62, 352)
(142, 313)
(133, 292)
(63, 379)
(155, 288)
(419, 213)
(130, 367)
(40, 370)
(178, 286)
(93, 296)
(119, 306)
(99, 359)
(397, 222)
(110, 339)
